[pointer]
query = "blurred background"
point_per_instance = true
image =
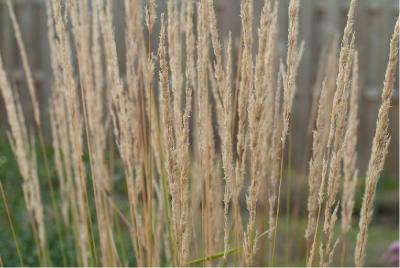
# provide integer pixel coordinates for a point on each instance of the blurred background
(321, 26)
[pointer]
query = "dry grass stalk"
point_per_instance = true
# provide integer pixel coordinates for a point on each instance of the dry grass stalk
(274, 156)
(227, 154)
(223, 97)
(333, 152)
(63, 55)
(245, 85)
(319, 141)
(294, 53)
(24, 149)
(316, 92)
(210, 201)
(25, 64)
(336, 155)
(60, 130)
(327, 66)
(350, 171)
(293, 57)
(344, 58)
(335, 148)
(190, 47)
(93, 109)
(257, 102)
(177, 169)
(37, 119)
(175, 59)
(219, 88)
(184, 180)
(151, 14)
(205, 131)
(380, 146)
(330, 85)
(61, 158)
(148, 132)
(269, 82)
(316, 180)
(125, 136)
(148, 123)
(314, 177)
(335, 161)
(191, 82)
(181, 128)
(136, 65)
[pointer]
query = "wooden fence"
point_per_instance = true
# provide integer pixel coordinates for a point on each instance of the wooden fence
(319, 21)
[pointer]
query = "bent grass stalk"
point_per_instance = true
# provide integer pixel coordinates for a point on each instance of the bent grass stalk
(222, 253)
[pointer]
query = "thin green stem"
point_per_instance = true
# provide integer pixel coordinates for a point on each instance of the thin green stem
(3, 195)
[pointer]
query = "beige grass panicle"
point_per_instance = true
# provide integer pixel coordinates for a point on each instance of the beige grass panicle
(168, 136)
(380, 146)
(190, 47)
(333, 182)
(269, 82)
(223, 97)
(93, 109)
(320, 113)
(294, 53)
(350, 153)
(315, 165)
(68, 83)
(25, 64)
(335, 148)
(227, 154)
(245, 85)
(24, 150)
(275, 152)
(256, 103)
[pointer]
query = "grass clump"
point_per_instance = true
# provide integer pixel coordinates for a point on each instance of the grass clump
(148, 163)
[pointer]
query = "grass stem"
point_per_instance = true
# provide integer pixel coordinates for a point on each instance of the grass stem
(277, 209)
(11, 224)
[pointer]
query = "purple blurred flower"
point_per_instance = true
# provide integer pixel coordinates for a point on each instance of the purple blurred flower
(392, 254)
